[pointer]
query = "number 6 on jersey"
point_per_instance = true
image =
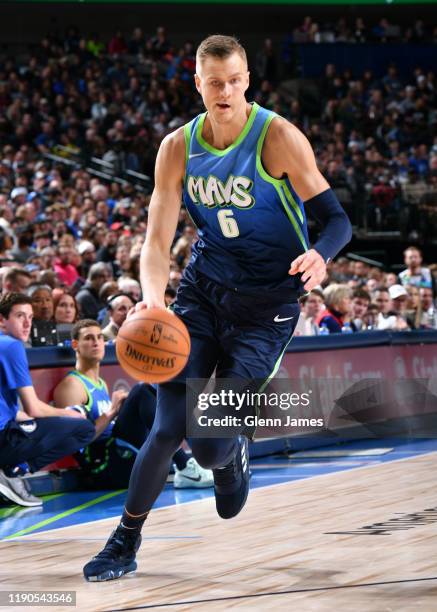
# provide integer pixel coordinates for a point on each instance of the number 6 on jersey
(228, 224)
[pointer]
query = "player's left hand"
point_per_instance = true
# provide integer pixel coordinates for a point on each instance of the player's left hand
(312, 267)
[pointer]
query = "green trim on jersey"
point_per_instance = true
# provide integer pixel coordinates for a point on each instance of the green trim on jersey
(280, 185)
(100, 385)
(241, 137)
(292, 201)
(187, 135)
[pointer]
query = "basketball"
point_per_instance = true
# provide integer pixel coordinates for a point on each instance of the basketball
(153, 345)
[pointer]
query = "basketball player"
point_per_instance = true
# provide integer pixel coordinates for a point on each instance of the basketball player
(122, 421)
(244, 175)
(32, 433)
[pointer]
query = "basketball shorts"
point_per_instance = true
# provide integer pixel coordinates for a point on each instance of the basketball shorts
(235, 334)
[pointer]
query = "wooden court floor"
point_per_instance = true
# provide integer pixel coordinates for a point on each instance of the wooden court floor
(359, 540)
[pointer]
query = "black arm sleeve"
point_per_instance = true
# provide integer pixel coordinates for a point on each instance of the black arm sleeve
(337, 229)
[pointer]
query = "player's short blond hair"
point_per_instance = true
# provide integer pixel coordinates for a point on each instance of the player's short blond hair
(221, 46)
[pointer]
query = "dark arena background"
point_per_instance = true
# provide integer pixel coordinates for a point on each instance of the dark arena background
(339, 517)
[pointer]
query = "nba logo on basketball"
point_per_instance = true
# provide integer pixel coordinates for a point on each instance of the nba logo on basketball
(156, 333)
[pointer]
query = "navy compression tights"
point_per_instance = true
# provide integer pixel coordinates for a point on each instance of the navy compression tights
(152, 464)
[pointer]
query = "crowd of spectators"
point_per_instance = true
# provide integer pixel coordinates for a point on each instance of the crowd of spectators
(82, 98)
(375, 141)
(359, 297)
(71, 238)
(356, 30)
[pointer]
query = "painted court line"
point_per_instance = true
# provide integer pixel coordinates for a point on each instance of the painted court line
(205, 499)
(68, 512)
(66, 540)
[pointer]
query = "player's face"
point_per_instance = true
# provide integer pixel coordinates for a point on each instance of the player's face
(91, 344)
(222, 84)
(19, 322)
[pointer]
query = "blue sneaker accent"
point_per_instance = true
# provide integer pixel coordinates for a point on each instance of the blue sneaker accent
(231, 483)
(21, 469)
(116, 559)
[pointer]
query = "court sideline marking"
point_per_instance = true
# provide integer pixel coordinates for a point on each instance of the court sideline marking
(27, 532)
(61, 515)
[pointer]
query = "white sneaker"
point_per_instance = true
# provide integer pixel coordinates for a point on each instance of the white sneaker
(18, 491)
(193, 476)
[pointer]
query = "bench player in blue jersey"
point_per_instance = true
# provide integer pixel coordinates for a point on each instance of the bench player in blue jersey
(246, 177)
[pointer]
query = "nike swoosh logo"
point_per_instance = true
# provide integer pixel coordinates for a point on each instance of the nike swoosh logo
(278, 319)
(197, 479)
(196, 155)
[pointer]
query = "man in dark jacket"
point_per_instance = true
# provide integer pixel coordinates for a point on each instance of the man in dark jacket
(88, 296)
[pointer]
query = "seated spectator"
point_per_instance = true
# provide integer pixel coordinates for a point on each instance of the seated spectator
(23, 249)
(65, 309)
(108, 289)
(399, 305)
(130, 286)
(16, 280)
(337, 308)
(393, 304)
(5, 246)
(371, 318)
(182, 249)
(87, 251)
(414, 307)
(42, 301)
(311, 306)
(118, 306)
(382, 300)
(429, 311)
(122, 424)
(37, 434)
(44, 332)
(360, 304)
(390, 279)
(65, 270)
(88, 297)
(47, 258)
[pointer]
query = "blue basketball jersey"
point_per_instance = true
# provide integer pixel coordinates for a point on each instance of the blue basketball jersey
(250, 225)
(98, 402)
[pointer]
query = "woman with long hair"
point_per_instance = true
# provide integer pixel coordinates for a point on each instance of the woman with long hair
(65, 309)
